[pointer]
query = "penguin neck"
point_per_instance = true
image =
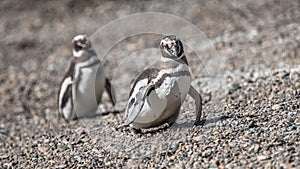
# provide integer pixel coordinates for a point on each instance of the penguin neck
(79, 53)
(181, 59)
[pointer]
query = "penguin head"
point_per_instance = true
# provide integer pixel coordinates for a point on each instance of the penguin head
(80, 43)
(171, 47)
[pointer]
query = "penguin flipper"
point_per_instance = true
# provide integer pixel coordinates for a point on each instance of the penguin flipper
(198, 101)
(136, 103)
(65, 99)
(110, 90)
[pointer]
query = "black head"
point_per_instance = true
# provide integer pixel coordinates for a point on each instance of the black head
(80, 42)
(171, 47)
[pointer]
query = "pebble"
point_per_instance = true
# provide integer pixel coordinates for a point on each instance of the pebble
(34, 144)
(77, 157)
(43, 149)
(251, 124)
(235, 86)
(63, 148)
(18, 110)
(263, 157)
(276, 107)
(232, 144)
(61, 166)
(207, 153)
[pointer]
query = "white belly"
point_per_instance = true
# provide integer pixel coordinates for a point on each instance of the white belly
(90, 87)
(161, 101)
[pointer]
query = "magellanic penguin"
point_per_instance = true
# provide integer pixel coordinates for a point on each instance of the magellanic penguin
(81, 89)
(159, 91)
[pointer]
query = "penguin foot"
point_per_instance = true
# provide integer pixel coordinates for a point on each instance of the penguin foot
(199, 123)
(137, 132)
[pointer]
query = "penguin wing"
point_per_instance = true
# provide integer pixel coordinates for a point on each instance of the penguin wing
(198, 101)
(142, 87)
(64, 101)
(111, 91)
(136, 103)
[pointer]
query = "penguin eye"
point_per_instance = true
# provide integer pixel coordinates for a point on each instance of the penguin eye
(83, 41)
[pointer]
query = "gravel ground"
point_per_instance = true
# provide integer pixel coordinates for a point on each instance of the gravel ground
(250, 84)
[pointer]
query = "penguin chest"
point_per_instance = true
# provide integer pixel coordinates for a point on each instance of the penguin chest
(165, 100)
(174, 88)
(88, 89)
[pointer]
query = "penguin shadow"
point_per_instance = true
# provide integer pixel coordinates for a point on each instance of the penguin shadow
(154, 130)
(172, 127)
(187, 125)
(96, 115)
(143, 132)
(203, 123)
(165, 127)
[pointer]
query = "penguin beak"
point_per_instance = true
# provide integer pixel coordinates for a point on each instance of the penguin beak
(171, 47)
(173, 50)
(77, 47)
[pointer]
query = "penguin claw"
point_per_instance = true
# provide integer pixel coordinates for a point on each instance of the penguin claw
(137, 132)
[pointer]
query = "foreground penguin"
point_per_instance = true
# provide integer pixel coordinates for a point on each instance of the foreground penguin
(82, 87)
(159, 91)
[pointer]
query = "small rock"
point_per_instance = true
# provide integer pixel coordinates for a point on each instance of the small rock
(256, 148)
(62, 148)
(18, 110)
(221, 166)
(276, 107)
(232, 144)
(61, 166)
(251, 124)
(34, 144)
(43, 149)
(175, 146)
(290, 148)
(77, 157)
(207, 152)
(234, 86)
(199, 138)
(263, 157)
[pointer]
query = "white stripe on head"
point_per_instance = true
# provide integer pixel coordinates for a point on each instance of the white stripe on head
(169, 46)
(168, 42)
(79, 37)
(78, 41)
